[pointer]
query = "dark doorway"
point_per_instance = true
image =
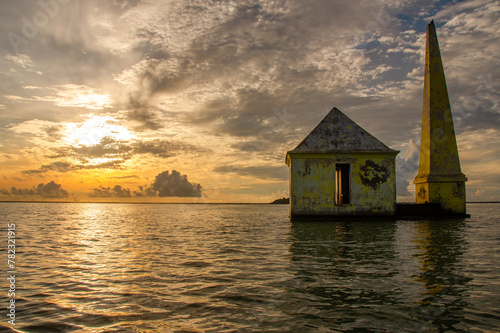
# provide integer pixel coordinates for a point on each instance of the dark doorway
(342, 184)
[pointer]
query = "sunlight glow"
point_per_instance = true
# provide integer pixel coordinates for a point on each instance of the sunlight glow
(92, 131)
(102, 160)
(92, 101)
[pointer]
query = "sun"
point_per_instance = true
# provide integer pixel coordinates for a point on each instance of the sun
(92, 131)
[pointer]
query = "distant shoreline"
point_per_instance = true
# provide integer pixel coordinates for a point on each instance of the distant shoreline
(183, 203)
(142, 203)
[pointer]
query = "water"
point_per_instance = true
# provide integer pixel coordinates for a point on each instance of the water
(246, 268)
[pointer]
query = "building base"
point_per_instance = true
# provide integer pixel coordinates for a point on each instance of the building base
(404, 211)
(425, 211)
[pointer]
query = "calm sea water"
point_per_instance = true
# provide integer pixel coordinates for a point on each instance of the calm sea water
(246, 268)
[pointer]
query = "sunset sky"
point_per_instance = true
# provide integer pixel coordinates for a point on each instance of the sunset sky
(99, 99)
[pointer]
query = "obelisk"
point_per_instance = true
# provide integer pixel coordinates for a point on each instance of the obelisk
(440, 179)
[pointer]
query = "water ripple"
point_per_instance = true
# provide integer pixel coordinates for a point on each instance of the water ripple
(229, 268)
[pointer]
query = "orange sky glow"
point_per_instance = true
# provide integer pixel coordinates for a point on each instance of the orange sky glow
(198, 101)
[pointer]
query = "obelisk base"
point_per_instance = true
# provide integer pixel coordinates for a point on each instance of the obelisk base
(448, 192)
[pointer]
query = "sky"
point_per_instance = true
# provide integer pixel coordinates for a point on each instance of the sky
(199, 100)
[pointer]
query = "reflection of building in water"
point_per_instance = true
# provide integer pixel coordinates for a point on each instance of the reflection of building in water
(344, 270)
(439, 249)
(399, 276)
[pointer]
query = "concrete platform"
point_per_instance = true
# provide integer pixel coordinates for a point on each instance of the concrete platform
(404, 211)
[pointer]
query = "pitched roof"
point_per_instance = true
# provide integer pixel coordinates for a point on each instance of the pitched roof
(338, 133)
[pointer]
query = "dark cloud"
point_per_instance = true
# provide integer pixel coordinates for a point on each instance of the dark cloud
(252, 114)
(255, 117)
(118, 151)
(124, 177)
(114, 164)
(49, 190)
(107, 147)
(175, 185)
(56, 166)
(249, 43)
(162, 148)
(67, 167)
(252, 146)
(54, 132)
(170, 184)
(124, 150)
(145, 191)
(475, 117)
(153, 79)
(211, 111)
(108, 192)
(260, 172)
(142, 119)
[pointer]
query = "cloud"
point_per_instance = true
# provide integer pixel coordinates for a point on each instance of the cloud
(68, 166)
(472, 77)
(70, 95)
(248, 113)
(213, 72)
(171, 184)
(56, 166)
(107, 147)
(49, 190)
(260, 172)
(142, 119)
(242, 60)
(407, 168)
(109, 153)
(124, 177)
(24, 61)
(121, 149)
(145, 191)
(107, 192)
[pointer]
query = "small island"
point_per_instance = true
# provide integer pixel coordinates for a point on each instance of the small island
(282, 201)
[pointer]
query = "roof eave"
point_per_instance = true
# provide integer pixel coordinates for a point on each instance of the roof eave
(349, 151)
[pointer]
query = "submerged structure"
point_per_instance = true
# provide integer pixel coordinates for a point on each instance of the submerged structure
(440, 179)
(341, 170)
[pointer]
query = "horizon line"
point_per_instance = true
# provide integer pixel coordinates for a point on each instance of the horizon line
(187, 203)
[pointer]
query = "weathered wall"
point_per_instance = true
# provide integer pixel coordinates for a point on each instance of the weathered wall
(451, 195)
(312, 184)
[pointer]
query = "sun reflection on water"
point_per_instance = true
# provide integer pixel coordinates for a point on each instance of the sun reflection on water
(100, 263)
